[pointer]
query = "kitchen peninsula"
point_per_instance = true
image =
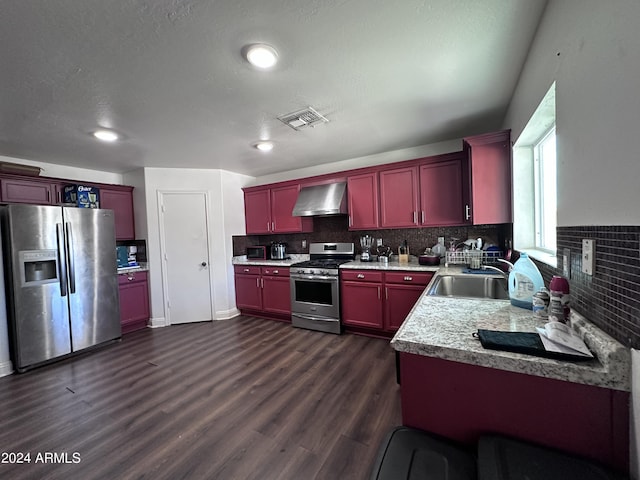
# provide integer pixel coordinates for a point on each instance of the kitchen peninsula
(452, 386)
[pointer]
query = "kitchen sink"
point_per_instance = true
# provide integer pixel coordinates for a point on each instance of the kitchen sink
(470, 286)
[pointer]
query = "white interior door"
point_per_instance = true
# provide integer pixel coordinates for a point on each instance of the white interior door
(185, 253)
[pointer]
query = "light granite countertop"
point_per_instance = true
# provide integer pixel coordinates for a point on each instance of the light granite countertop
(413, 265)
(443, 327)
(295, 258)
(141, 267)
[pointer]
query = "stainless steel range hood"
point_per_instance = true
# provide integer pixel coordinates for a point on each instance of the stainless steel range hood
(329, 199)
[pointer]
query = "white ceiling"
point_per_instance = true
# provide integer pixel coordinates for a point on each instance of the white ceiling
(170, 77)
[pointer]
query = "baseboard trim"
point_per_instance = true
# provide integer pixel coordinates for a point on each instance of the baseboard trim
(227, 314)
(157, 322)
(6, 368)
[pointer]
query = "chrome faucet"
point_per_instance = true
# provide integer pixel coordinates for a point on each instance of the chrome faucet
(504, 274)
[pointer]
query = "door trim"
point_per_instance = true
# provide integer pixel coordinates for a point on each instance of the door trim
(161, 194)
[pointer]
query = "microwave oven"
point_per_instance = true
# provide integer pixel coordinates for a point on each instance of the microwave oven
(259, 252)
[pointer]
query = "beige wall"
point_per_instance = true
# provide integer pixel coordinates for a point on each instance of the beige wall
(226, 218)
(591, 49)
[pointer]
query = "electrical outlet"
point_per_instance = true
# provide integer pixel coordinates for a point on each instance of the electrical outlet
(441, 240)
(378, 242)
(304, 244)
(566, 263)
(588, 255)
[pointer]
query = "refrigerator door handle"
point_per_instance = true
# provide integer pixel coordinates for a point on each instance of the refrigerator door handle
(70, 258)
(62, 263)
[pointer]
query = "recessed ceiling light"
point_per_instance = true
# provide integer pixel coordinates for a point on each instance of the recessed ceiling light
(264, 146)
(106, 135)
(261, 55)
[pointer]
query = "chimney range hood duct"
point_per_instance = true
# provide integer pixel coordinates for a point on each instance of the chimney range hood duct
(328, 199)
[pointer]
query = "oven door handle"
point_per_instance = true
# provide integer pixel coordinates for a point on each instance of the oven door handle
(314, 317)
(313, 277)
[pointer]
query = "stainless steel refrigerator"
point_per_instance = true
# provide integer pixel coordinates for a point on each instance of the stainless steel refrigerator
(61, 280)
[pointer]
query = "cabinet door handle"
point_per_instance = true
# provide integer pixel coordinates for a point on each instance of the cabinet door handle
(257, 282)
(386, 293)
(415, 217)
(246, 270)
(273, 226)
(275, 272)
(408, 279)
(130, 277)
(48, 196)
(360, 275)
(350, 221)
(467, 212)
(423, 216)
(379, 294)
(268, 226)
(262, 283)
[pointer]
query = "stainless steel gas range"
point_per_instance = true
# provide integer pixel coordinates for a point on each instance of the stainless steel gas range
(315, 287)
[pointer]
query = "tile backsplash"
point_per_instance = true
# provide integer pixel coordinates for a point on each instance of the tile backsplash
(336, 229)
(610, 297)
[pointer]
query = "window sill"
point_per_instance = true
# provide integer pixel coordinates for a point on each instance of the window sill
(541, 256)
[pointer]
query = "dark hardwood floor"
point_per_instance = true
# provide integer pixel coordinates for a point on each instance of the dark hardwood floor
(239, 399)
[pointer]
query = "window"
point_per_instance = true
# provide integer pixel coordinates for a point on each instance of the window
(535, 185)
(545, 204)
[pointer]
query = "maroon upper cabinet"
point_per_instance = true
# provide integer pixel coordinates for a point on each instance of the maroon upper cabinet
(283, 199)
(268, 210)
(399, 197)
(441, 193)
(257, 211)
(121, 202)
(26, 191)
(489, 159)
(364, 201)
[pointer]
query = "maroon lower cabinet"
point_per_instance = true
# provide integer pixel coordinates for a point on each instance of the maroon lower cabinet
(461, 402)
(375, 302)
(248, 292)
(263, 291)
(401, 292)
(361, 298)
(134, 301)
(276, 291)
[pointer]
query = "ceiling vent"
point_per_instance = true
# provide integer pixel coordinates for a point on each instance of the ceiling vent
(307, 117)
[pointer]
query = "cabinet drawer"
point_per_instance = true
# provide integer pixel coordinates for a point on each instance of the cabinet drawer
(408, 278)
(362, 275)
(124, 278)
(247, 269)
(275, 271)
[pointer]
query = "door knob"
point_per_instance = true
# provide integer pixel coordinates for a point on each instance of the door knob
(204, 264)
